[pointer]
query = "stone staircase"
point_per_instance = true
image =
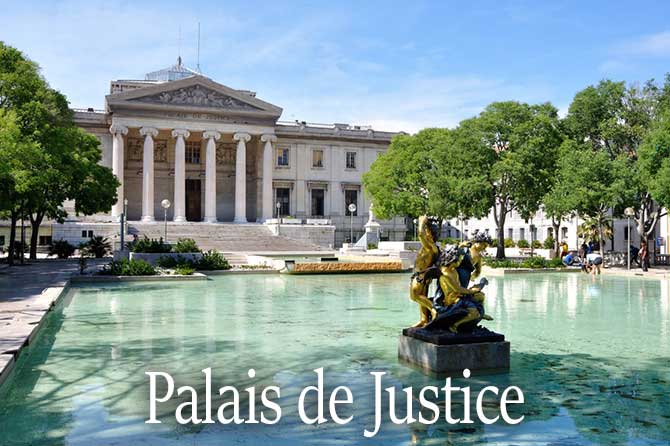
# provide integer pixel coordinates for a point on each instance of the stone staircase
(228, 238)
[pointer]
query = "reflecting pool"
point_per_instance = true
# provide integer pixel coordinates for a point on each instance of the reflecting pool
(592, 356)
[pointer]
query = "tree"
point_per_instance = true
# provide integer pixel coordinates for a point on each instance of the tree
(502, 160)
(590, 183)
(616, 119)
(654, 166)
(397, 181)
(63, 163)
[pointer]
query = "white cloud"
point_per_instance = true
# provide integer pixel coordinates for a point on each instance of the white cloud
(655, 45)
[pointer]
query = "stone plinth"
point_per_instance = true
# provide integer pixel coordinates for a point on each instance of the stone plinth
(444, 352)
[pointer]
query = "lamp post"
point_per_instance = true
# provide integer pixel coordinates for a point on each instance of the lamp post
(123, 224)
(278, 206)
(352, 209)
(629, 212)
(165, 204)
(415, 221)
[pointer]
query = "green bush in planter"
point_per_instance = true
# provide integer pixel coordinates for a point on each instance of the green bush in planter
(536, 244)
(184, 270)
(127, 267)
(509, 243)
(212, 260)
(548, 243)
(523, 244)
(97, 246)
(147, 245)
(185, 245)
(61, 249)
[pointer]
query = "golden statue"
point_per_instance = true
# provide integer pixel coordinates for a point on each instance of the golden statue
(454, 306)
(424, 269)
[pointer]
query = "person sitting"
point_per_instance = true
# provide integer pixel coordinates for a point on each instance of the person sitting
(594, 262)
(564, 249)
(568, 259)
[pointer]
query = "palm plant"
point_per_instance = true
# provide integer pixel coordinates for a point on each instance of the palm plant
(596, 229)
(98, 246)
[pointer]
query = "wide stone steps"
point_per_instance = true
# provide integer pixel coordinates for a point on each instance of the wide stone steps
(224, 237)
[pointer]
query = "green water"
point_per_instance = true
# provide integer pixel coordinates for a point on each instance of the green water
(592, 356)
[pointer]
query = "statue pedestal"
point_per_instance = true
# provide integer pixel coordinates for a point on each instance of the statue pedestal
(440, 351)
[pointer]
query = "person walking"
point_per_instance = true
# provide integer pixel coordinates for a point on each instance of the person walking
(644, 255)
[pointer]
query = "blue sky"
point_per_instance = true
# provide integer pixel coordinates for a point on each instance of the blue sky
(395, 65)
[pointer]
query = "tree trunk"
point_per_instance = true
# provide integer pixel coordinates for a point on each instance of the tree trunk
(600, 238)
(500, 224)
(12, 239)
(34, 235)
(556, 225)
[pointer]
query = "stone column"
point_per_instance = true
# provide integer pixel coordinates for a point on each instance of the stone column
(180, 174)
(268, 205)
(149, 134)
(241, 177)
(210, 176)
(117, 132)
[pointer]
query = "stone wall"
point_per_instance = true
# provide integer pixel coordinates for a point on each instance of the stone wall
(78, 232)
(322, 235)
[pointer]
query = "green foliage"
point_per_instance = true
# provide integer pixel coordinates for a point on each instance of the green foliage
(509, 243)
(654, 161)
(147, 245)
(536, 244)
(211, 261)
(523, 244)
(397, 180)
(127, 267)
(61, 249)
(185, 245)
(97, 246)
(534, 262)
(450, 241)
(167, 261)
(184, 270)
(549, 243)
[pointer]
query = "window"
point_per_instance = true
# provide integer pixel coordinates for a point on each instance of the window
(282, 157)
(317, 158)
(44, 240)
(2, 240)
(564, 233)
(510, 233)
(351, 160)
(522, 234)
(86, 234)
(318, 199)
(550, 232)
(284, 198)
(350, 196)
(193, 152)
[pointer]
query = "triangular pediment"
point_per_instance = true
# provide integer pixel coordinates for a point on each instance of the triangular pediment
(195, 92)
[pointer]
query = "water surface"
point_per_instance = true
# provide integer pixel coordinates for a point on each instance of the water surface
(592, 356)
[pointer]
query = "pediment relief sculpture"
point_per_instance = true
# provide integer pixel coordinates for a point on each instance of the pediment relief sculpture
(197, 96)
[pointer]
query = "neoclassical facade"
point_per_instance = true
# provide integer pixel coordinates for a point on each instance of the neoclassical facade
(221, 155)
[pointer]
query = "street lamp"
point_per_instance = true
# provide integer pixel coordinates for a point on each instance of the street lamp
(415, 221)
(352, 209)
(123, 223)
(629, 212)
(278, 206)
(165, 204)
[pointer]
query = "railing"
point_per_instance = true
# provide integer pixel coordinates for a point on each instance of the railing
(87, 110)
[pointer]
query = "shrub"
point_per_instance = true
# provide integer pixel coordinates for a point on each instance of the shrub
(523, 244)
(166, 262)
(98, 246)
(61, 249)
(212, 260)
(509, 243)
(127, 267)
(536, 244)
(555, 263)
(450, 241)
(548, 243)
(185, 245)
(534, 262)
(148, 245)
(494, 242)
(495, 263)
(184, 270)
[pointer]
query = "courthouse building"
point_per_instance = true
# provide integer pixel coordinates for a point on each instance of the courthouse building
(221, 155)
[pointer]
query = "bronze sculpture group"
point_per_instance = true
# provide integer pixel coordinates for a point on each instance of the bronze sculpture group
(454, 306)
